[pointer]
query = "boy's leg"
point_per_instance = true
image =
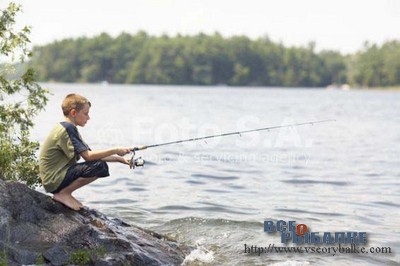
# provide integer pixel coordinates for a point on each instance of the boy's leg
(65, 195)
(77, 176)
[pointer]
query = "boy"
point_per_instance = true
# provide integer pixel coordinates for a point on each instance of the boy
(58, 168)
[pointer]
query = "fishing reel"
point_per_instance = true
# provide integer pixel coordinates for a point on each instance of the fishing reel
(135, 162)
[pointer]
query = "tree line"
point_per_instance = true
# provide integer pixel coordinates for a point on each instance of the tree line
(212, 60)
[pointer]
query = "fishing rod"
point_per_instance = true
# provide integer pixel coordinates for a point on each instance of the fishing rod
(140, 162)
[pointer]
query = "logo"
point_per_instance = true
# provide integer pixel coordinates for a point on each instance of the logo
(299, 234)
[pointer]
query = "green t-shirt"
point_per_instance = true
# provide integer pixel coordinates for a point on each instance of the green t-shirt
(59, 151)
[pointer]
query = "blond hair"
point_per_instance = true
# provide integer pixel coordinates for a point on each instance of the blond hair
(74, 101)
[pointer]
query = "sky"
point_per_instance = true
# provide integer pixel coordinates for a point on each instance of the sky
(342, 25)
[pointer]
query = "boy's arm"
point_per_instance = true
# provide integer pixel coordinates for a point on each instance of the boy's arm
(110, 159)
(118, 159)
(98, 155)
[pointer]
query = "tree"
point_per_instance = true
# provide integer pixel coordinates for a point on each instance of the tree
(375, 66)
(333, 68)
(21, 99)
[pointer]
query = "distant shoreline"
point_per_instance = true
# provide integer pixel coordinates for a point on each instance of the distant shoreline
(390, 88)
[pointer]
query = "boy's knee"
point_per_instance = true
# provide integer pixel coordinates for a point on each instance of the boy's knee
(101, 169)
(104, 165)
(101, 164)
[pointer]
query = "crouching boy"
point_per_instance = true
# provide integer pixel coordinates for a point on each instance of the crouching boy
(58, 168)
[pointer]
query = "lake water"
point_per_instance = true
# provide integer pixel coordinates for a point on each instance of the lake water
(215, 196)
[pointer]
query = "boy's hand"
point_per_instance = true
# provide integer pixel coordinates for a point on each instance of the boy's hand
(124, 160)
(123, 151)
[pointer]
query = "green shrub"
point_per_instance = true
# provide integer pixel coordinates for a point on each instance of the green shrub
(3, 258)
(21, 99)
(80, 257)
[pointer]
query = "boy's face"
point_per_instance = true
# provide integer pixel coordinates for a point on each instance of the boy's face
(82, 116)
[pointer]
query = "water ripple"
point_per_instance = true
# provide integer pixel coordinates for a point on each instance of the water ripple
(237, 187)
(309, 181)
(114, 202)
(207, 209)
(216, 191)
(190, 221)
(119, 180)
(136, 189)
(215, 177)
(247, 171)
(372, 174)
(195, 182)
(386, 203)
(310, 212)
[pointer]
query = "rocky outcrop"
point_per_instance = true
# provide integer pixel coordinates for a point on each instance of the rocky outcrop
(36, 230)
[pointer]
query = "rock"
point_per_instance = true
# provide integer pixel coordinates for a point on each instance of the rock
(34, 229)
(56, 255)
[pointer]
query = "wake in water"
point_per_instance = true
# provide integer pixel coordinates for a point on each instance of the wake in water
(199, 255)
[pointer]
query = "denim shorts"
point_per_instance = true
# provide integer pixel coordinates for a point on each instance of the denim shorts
(85, 170)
